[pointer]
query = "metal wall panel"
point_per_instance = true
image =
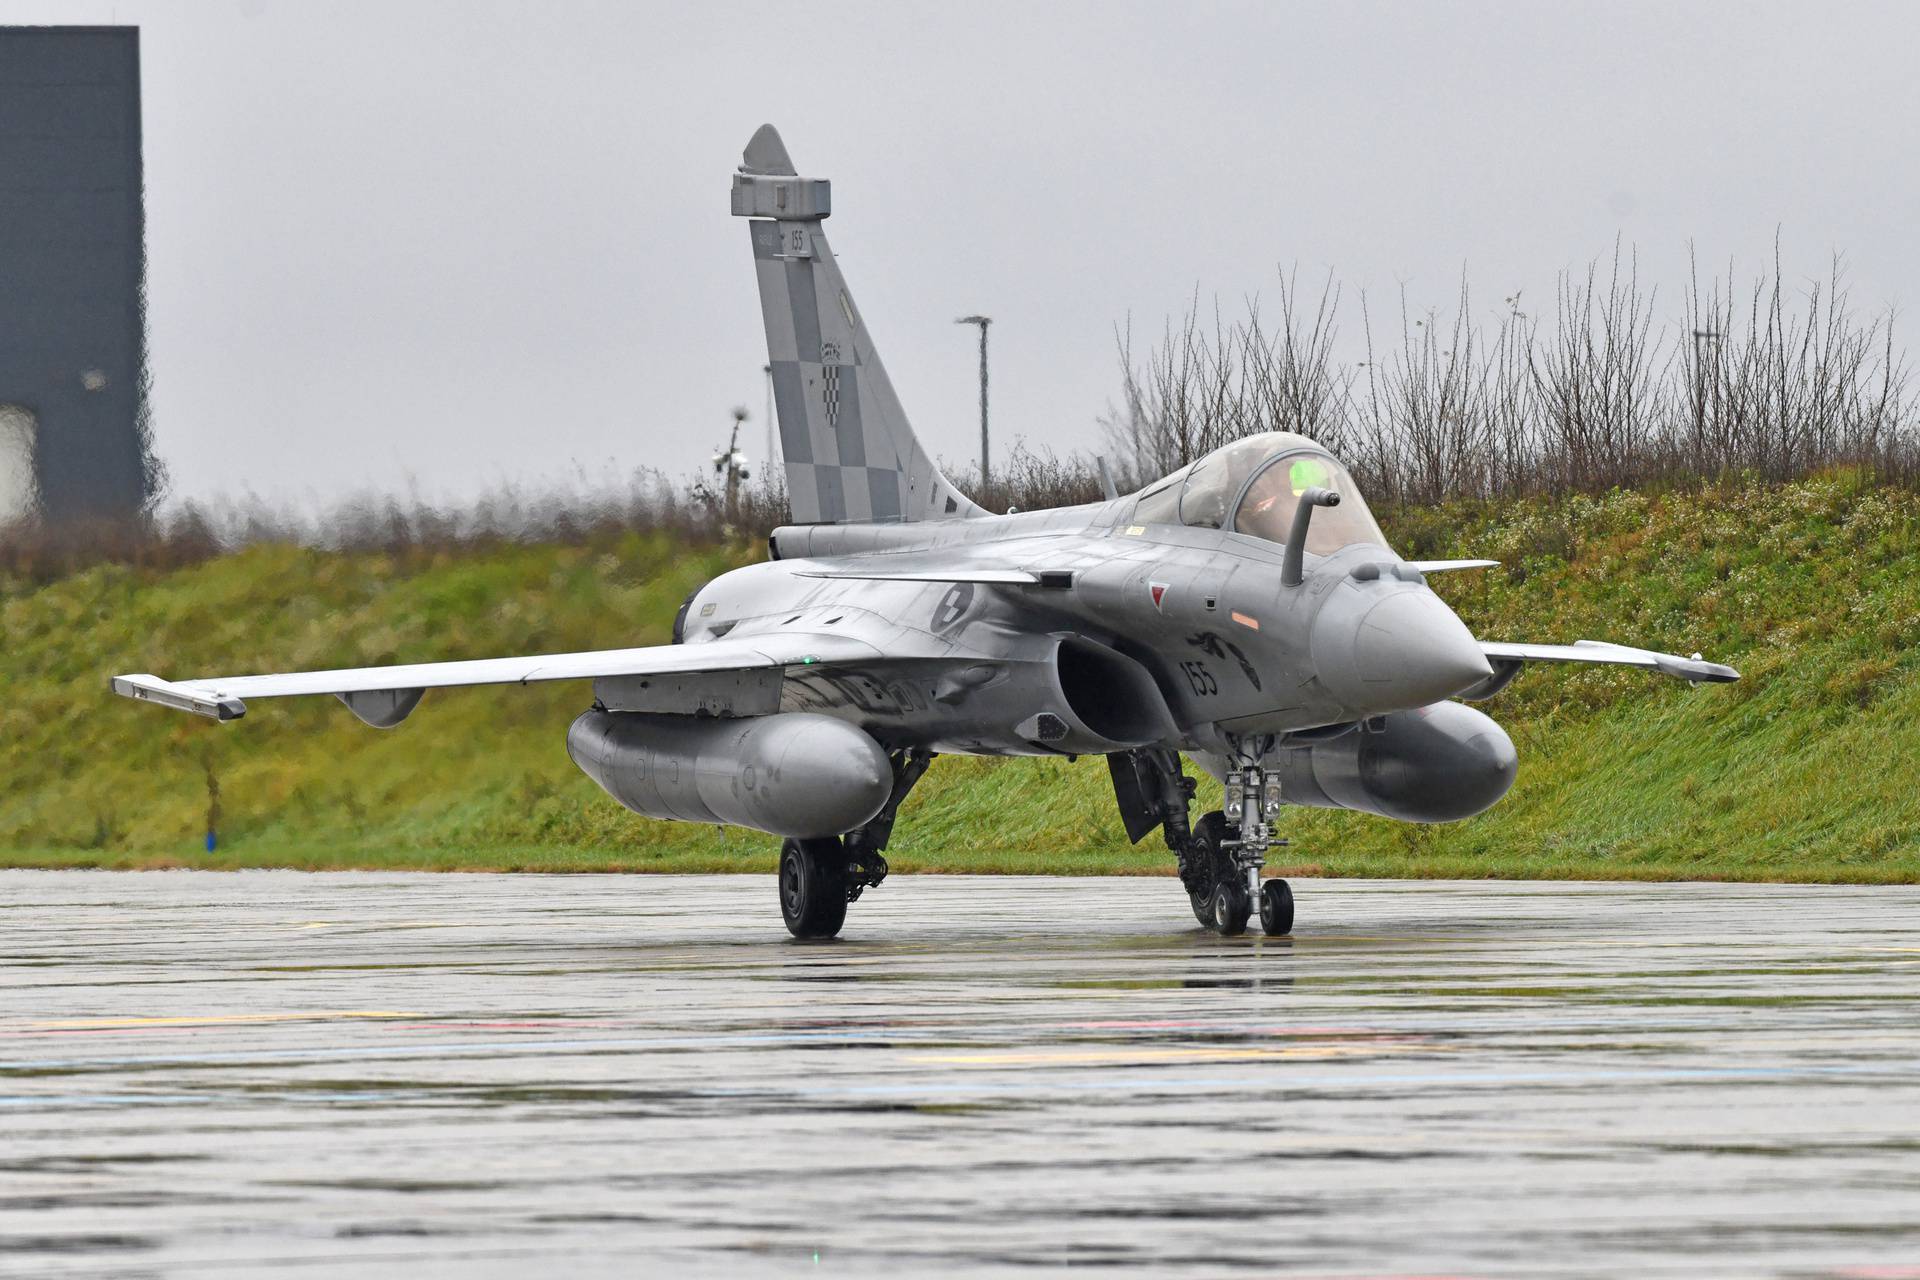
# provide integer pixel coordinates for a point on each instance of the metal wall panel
(72, 263)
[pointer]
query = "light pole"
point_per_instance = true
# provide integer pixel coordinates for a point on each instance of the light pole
(983, 322)
(773, 459)
(1700, 338)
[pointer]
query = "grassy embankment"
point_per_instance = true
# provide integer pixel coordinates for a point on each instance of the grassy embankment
(1804, 771)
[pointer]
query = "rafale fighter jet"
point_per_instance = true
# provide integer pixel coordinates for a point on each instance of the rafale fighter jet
(1245, 610)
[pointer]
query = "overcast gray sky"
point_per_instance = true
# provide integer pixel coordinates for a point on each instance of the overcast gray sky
(453, 244)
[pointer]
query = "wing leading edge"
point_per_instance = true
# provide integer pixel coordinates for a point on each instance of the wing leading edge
(223, 697)
(1692, 669)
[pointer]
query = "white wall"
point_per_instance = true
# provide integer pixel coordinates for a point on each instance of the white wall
(17, 430)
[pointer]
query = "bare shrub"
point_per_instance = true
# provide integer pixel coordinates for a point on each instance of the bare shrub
(1035, 479)
(1756, 381)
(1197, 390)
(582, 512)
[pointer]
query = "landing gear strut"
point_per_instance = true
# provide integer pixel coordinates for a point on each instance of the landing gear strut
(819, 877)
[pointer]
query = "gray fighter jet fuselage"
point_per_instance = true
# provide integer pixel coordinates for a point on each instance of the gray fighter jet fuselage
(1106, 630)
(1245, 611)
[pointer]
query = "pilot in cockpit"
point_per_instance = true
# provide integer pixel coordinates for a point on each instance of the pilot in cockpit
(1253, 486)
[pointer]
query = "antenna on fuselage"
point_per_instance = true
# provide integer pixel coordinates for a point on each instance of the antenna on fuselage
(1106, 477)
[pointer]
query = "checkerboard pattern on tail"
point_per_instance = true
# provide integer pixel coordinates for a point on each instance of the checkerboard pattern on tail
(850, 452)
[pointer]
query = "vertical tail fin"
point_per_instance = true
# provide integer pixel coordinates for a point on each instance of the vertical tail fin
(850, 452)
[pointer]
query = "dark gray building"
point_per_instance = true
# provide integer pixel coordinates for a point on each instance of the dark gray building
(72, 266)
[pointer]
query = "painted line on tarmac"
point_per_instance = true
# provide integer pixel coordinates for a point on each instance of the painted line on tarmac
(1025, 1086)
(453, 1048)
(1120, 1055)
(1356, 1080)
(205, 1020)
(50, 1101)
(883, 1037)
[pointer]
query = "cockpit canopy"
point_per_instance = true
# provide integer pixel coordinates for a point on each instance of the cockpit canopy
(1253, 486)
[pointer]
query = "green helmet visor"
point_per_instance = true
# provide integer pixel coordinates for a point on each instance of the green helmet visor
(1308, 473)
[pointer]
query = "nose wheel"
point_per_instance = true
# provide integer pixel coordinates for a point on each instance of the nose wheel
(1276, 908)
(1230, 909)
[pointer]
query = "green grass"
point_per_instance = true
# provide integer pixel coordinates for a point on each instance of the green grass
(1804, 771)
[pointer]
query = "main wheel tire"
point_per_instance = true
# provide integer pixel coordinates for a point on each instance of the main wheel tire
(1207, 857)
(1230, 908)
(813, 887)
(1276, 908)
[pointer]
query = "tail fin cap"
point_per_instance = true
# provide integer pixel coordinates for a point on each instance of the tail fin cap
(767, 186)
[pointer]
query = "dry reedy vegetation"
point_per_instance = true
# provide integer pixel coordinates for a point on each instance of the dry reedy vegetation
(583, 512)
(1761, 381)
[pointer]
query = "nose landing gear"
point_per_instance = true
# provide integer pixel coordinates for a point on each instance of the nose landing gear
(1222, 872)
(1220, 856)
(1253, 801)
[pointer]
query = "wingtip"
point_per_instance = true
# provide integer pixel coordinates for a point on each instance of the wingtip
(146, 687)
(1696, 671)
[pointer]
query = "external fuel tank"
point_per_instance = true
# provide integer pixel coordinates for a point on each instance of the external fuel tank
(1437, 764)
(790, 774)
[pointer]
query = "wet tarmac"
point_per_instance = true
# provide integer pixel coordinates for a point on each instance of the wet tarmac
(217, 1074)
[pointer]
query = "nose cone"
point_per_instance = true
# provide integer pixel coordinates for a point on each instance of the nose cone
(1399, 650)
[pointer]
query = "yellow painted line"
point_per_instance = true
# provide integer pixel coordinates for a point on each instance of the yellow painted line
(207, 1019)
(1083, 1056)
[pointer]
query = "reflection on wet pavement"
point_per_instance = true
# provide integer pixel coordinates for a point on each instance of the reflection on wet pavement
(593, 1075)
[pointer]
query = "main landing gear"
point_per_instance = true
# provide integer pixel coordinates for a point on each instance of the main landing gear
(814, 886)
(1220, 856)
(820, 877)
